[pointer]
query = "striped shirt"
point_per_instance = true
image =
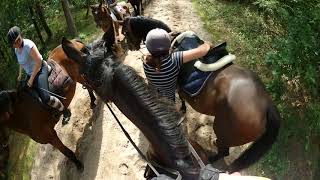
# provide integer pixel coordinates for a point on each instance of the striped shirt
(165, 81)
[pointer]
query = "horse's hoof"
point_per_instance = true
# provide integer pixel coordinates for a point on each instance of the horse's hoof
(93, 105)
(183, 110)
(65, 120)
(80, 166)
(213, 159)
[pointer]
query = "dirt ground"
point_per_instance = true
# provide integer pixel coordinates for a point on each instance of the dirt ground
(95, 135)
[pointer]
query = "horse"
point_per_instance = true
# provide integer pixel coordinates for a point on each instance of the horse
(156, 118)
(103, 19)
(243, 110)
(23, 112)
(137, 6)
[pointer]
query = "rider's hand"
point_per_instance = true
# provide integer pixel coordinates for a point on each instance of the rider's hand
(19, 78)
(209, 43)
(29, 83)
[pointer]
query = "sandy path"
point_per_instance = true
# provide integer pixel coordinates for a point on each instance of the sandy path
(95, 135)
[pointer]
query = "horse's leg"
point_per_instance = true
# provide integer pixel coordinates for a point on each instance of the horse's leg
(222, 151)
(141, 5)
(55, 141)
(183, 107)
(92, 98)
(136, 10)
(116, 28)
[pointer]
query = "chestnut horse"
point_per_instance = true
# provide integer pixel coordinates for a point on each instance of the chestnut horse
(24, 113)
(157, 119)
(243, 110)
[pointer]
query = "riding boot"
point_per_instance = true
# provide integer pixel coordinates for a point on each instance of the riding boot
(56, 103)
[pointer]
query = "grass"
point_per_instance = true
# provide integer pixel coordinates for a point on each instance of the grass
(22, 148)
(250, 37)
(22, 151)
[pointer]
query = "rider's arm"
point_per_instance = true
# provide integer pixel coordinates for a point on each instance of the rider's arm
(196, 53)
(20, 73)
(36, 56)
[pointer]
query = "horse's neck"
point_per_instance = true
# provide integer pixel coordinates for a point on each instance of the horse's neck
(158, 124)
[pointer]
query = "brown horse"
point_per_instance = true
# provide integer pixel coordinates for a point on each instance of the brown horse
(102, 16)
(24, 113)
(157, 119)
(103, 19)
(237, 98)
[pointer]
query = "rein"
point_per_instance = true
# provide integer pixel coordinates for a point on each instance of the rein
(153, 164)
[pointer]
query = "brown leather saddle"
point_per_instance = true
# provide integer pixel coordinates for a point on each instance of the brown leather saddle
(58, 79)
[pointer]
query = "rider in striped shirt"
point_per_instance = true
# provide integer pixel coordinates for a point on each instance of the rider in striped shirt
(162, 67)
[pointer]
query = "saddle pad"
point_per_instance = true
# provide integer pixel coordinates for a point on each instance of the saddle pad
(195, 82)
(58, 78)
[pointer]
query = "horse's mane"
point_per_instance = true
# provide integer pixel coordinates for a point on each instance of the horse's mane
(141, 25)
(163, 116)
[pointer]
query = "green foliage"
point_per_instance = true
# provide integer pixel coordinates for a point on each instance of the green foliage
(279, 39)
(298, 50)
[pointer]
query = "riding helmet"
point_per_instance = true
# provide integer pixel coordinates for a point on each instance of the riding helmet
(158, 41)
(13, 34)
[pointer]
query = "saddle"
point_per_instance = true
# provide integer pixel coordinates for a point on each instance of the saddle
(191, 80)
(58, 81)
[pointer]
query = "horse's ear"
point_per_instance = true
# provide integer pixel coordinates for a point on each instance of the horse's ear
(72, 52)
(100, 4)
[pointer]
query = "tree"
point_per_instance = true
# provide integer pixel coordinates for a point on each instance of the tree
(69, 19)
(39, 11)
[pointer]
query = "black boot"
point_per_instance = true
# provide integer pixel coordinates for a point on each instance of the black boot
(66, 116)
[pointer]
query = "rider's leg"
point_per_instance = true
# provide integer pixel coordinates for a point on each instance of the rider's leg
(43, 86)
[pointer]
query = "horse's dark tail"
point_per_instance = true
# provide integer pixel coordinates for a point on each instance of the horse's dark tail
(262, 145)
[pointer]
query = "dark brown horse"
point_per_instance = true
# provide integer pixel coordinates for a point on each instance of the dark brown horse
(243, 110)
(157, 119)
(24, 113)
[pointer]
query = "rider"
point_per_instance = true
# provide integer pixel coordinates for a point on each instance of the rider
(115, 11)
(162, 66)
(35, 67)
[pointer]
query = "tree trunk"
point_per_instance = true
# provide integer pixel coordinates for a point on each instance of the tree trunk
(70, 23)
(39, 11)
(36, 25)
(88, 7)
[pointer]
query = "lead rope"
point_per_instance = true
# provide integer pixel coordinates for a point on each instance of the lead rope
(175, 172)
(135, 146)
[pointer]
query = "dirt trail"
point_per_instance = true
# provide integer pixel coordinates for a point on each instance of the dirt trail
(95, 135)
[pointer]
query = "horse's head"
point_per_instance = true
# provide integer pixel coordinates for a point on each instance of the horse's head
(102, 16)
(136, 29)
(7, 99)
(92, 65)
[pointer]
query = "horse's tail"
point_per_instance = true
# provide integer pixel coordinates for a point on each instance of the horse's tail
(263, 144)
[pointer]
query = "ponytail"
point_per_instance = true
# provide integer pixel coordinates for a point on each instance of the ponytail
(155, 61)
